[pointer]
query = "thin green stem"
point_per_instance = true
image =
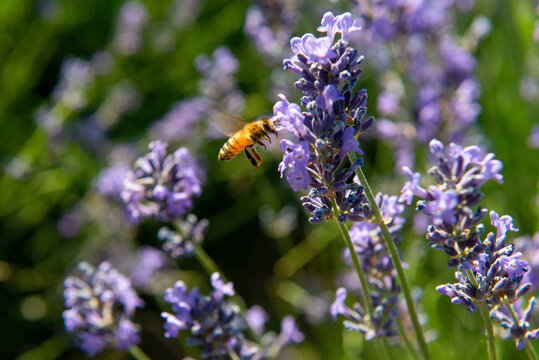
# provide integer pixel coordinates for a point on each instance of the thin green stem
(392, 247)
(365, 298)
(406, 339)
(483, 308)
(530, 351)
(490, 331)
(137, 353)
(207, 262)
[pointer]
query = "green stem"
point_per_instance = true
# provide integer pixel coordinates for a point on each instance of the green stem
(486, 318)
(365, 298)
(392, 247)
(530, 351)
(406, 339)
(532, 355)
(137, 353)
(490, 331)
(207, 262)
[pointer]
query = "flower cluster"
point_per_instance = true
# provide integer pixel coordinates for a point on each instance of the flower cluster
(529, 246)
(460, 173)
(376, 263)
(217, 326)
(519, 328)
(100, 308)
(132, 19)
(269, 24)
(491, 272)
(183, 244)
(427, 77)
(162, 186)
(218, 84)
(327, 131)
(147, 261)
(498, 271)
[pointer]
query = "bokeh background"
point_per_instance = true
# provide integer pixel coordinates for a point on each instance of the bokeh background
(85, 85)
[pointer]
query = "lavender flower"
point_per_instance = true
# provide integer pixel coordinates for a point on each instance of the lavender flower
(533, 139)
(218, 84)
(162, 186)
(216, 325)
(183, 244)
(122, 98)
(378, 268)
(434, 89)
(76, 76)
(148, 261)
(327, 131)
(110, 180)
(460, 173)
(180, 123)
(519, 331)
(100, 308)
(131, 21)
(529, 246)
(498, 270)
(269, 24)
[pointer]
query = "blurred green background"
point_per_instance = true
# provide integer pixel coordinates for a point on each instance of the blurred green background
(288, 267)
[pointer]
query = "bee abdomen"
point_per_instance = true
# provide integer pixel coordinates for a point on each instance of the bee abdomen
(229, 150)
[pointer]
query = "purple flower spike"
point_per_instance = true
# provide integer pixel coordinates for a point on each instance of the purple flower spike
(90, 300)
(162, 186)
(216, 325)
(327, 129)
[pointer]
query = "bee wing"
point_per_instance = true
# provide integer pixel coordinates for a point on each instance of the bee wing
(228, 124)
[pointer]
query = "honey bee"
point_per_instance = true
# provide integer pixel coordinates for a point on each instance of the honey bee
(244, 136)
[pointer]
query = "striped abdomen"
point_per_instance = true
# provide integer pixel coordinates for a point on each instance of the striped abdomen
(234, 145)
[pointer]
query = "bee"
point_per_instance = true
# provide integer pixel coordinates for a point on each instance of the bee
(244, 136)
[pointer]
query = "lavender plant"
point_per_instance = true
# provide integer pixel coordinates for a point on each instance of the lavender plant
(100, 307)
(217, 326)
(377, 265)
(183, 244)
(428, 83)
(326, 135)
(490, 273)
(162, 186)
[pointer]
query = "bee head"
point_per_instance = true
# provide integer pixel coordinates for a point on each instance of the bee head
(269, 127)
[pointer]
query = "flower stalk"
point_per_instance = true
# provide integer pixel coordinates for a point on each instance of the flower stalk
(530, 351)
(365, 297)
(392, 247)
(486, 318)
(137, 353)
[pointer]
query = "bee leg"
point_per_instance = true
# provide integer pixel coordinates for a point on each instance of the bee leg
(251, 158)
(265, 134)
(261, 144)
(257, 156)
